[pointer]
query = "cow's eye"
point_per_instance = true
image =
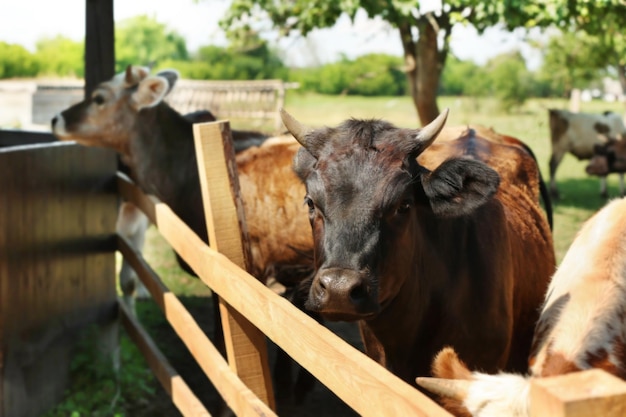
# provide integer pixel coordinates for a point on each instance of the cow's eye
(98, 99)
(309, 202)
(404, 207)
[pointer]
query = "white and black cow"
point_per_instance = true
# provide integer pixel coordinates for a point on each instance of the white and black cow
(577, 133)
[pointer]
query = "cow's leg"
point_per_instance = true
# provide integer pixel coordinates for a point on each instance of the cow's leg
(555, 160)
(603, 190)
(132, 224)
(621, 184)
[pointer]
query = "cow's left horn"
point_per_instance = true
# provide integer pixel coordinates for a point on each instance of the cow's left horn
(452, 388)
(426, 136)
(294, 127)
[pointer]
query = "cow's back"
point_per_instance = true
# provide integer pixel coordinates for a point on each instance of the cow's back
(277, 217)
(532, 253)
(583, 322)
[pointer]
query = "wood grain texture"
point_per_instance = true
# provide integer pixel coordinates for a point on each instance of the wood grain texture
(581, 394)
(57, 264)
(237, 395)
(246, 346)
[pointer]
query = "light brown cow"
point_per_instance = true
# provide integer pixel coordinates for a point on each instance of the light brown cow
(129, 115)
(582, 326)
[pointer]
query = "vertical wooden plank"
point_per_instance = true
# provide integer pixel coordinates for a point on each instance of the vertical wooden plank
(581, 394)
(246, 346)
(57, 265)
(99, 43)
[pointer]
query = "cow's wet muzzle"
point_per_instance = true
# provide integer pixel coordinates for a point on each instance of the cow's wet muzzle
(343, 295)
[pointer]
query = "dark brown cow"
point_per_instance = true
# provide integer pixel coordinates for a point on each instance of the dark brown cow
(425, 244)
(582, 326)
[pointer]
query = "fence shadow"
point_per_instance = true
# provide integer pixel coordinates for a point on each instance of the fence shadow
(320, 402)
(584, 193)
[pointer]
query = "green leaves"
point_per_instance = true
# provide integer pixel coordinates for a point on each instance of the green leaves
(142, 40)
(16, 61)
(60, 56)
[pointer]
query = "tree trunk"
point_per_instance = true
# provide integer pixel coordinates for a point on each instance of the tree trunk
(410, 60)
(428, 72)
(423, 68)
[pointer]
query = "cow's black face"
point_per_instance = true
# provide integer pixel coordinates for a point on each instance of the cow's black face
(368, 199)
(361, 203)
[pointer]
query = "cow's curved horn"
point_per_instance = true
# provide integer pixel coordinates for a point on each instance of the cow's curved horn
(452, 388)
(129, 77)
(294, 127)
(426, 136)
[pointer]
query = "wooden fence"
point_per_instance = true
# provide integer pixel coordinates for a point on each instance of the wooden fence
(250, 310)
(257, 100)
(58, 206)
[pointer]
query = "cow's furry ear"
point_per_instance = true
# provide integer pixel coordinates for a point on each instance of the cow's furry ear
(172, 76)
(150, 92)
(459, 186)
(303, 163)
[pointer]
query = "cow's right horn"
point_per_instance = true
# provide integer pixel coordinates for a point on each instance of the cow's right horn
(427, 135)
(452, 388)
(294, 127)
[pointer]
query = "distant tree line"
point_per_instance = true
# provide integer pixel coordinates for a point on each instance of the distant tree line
(142, 40)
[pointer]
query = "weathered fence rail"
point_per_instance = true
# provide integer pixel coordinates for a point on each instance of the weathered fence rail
(36, 102)
(58, 206)
(258, 99)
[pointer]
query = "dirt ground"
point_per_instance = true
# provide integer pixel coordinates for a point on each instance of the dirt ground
(319, 402)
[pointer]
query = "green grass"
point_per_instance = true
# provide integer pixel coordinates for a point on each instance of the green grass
(580, 199)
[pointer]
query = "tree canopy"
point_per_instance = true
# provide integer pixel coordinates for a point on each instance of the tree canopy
(141, 40)
(425, 34)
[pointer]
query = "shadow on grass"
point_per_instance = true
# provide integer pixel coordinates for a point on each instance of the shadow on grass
(584, 193)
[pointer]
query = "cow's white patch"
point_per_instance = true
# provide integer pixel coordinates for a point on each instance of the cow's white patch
(593, 274)
(498, 395)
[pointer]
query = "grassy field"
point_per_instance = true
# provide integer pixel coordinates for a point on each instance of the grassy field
(579, 200)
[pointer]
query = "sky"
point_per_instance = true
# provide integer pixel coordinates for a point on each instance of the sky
(25, 21)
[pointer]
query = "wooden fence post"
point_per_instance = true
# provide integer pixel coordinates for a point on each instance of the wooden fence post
(246, 346)
(581, 394)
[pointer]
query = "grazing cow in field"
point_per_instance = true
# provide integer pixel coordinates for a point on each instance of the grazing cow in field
(577, 133)
(425, 244)
(609, 157)
(582, 326)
